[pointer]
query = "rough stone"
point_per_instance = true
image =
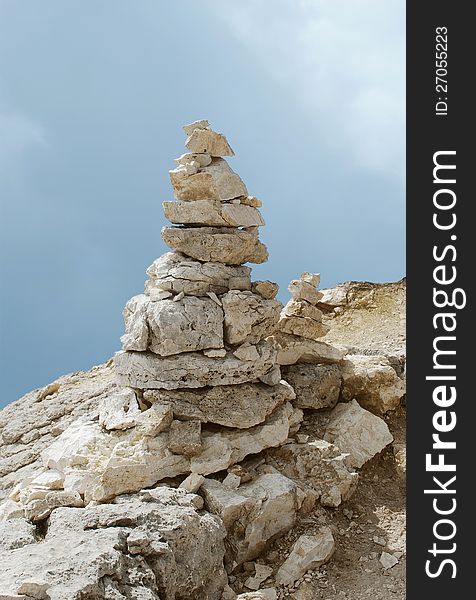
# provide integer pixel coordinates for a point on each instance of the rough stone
(308, 552)
(145, 370)
(188, 325)
(303, 327)
(253, 515)
(119, 410)
(264, 594)
(192, 483)
(247, 352)
(206, 141)
(304, 289)
(212, 213)
(136, 336)
(373, 382)
(238, 406)
(220, 449)
(216, 244)
(248, 317)
(358, 432)
(150, 545)
(174, 272)
(251, 201)
(293, 349)
(16, 533)
(388, 560)
(202, 159)
(315, 386)
(301, 308)
(200, 124)
(185, 437)
(217, 181)
(318, 465)
(265, 289)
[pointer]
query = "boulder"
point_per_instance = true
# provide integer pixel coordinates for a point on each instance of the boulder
(119, 410)
(373, 382)
(145, 370)
(175, 272)
(315, 386)
(303, 327)
(136, 335)
(216, 244)
(266, 289)
(308, 552)
(248, 317)
(357, 432)
(212, 213)
(149, 545)
(217, 181)
(254, 515)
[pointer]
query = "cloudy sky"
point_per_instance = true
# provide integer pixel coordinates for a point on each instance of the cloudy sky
(92, 98)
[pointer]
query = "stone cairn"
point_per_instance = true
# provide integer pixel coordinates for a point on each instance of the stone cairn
(195, 343)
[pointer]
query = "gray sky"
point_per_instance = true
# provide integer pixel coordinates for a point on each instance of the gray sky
(92, 99)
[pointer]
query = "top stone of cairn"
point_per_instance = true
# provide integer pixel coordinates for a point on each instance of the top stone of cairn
(203, 140)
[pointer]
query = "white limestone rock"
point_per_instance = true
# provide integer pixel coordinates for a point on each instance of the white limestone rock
(263, 594)
(293, 349)
(265, 289)
(357, 432)
(16, 533)
(315, 386)
(202, 159)
(206, 141)
(308, 552)
(185, 438)
(318, 465)
(136, 336)
(373, 382)
(301, 308)
(200, 124)
(217, 181)
(303, 327)
(175, 272)
(192, 483)
(247, 352)
(119, 411)
(238, 406)
(187, 325)
(253, 515)
(304, 288)
(212, 213)
(145, 370)
(223, 448)
(149, 545)
(216, 244)
(248, 317)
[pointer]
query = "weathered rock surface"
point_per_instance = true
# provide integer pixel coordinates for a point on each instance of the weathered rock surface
(300, 308)
(120, 410)
(372, 381)
(253, 515)
(292, 349)
(155, 544)
(216, 244)
(318, 465)
(238, 406)
(217, 181)
(315, 386)
(174, 272)
(15, 534)
(248, 317)
(303, 327)
(206, 141)
(212, 213)
(136, 336)
(145, 370)
(358, 432)
(185, 326)
(309, 552)
(266, 289)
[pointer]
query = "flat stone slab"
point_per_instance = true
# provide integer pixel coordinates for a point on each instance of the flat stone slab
(240, 406)
(212, 213)
(174, 272)
(216, 244)
(217, 181)
(207, 141)
(293, 349)
(145, 370)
